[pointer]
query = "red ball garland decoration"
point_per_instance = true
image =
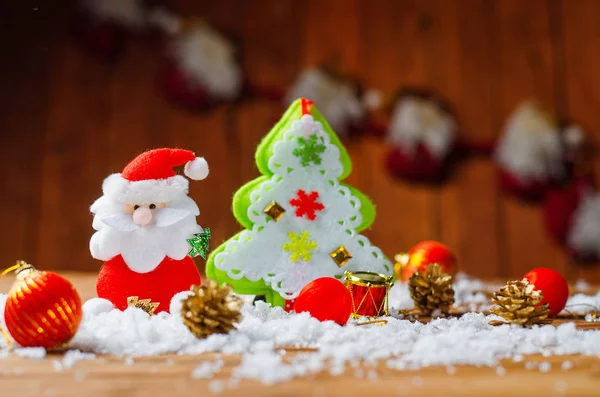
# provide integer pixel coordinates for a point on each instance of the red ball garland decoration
(326, 299)
(43, 309)
(553, 286)
(426, 253)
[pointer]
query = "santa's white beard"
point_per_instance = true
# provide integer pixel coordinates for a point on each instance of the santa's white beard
(420, 122)
(144, 248)
(208, 58)
(530, 147)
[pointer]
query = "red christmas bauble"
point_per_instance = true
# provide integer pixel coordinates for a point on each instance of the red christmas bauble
(326, 299)
(553, 286)
(426, 253)
(43, 309)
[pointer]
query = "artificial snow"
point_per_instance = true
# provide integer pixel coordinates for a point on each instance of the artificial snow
(566, 365)
(264, 334)
(73, 356)
(31, 352)
(206, 370)
(582, 304)
(545, 366)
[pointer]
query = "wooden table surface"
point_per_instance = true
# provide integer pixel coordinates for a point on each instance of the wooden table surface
(171, 375)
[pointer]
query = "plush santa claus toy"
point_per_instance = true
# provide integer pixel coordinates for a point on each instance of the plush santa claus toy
(203, 68)
(142, 223)
(423, 133)
(532, 152)
(338, 99)
(102, 25)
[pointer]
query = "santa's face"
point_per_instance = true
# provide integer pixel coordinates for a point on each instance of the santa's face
(143, 233)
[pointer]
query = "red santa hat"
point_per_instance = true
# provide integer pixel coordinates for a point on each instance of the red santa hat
(150, 178)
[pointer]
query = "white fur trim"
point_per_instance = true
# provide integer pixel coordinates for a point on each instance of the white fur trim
(196, 169)
(145, 192)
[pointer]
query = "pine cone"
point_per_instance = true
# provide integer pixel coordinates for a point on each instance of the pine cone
(432, 290)
(518, 303)
(211, 310)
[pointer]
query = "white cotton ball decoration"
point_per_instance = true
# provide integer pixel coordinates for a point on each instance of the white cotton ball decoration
(177, 302)
(95, 306)
(196, 169)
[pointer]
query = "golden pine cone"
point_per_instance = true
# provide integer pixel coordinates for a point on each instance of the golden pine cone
(518, 303)
(211, 309)
(432, 290)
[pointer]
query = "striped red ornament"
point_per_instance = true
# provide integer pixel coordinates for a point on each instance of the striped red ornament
(43, 309)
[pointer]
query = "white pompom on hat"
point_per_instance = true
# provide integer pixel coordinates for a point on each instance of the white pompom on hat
(150, 177)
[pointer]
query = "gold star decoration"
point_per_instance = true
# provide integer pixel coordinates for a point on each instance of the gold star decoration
(340, 255)
(274, 211)
(144, 304)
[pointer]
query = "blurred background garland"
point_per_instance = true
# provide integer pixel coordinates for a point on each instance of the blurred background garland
(68, 119)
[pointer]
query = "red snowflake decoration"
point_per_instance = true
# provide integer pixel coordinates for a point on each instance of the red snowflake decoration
(307, 204)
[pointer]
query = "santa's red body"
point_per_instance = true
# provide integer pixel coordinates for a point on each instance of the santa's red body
(117, 282)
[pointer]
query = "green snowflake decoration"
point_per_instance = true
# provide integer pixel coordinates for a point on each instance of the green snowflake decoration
(199, 243)
(309, 150)
(300, 247)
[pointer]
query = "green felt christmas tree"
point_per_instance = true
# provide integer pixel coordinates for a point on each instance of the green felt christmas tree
(301, 221)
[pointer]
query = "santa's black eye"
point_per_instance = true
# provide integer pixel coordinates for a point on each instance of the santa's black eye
(135, 207)
(152, 206)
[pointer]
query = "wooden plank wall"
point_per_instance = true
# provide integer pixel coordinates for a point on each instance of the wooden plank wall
(67, 120)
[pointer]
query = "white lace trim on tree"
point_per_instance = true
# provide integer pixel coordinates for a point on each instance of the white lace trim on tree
(530, 146)
(420, 121)
(290, 252)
